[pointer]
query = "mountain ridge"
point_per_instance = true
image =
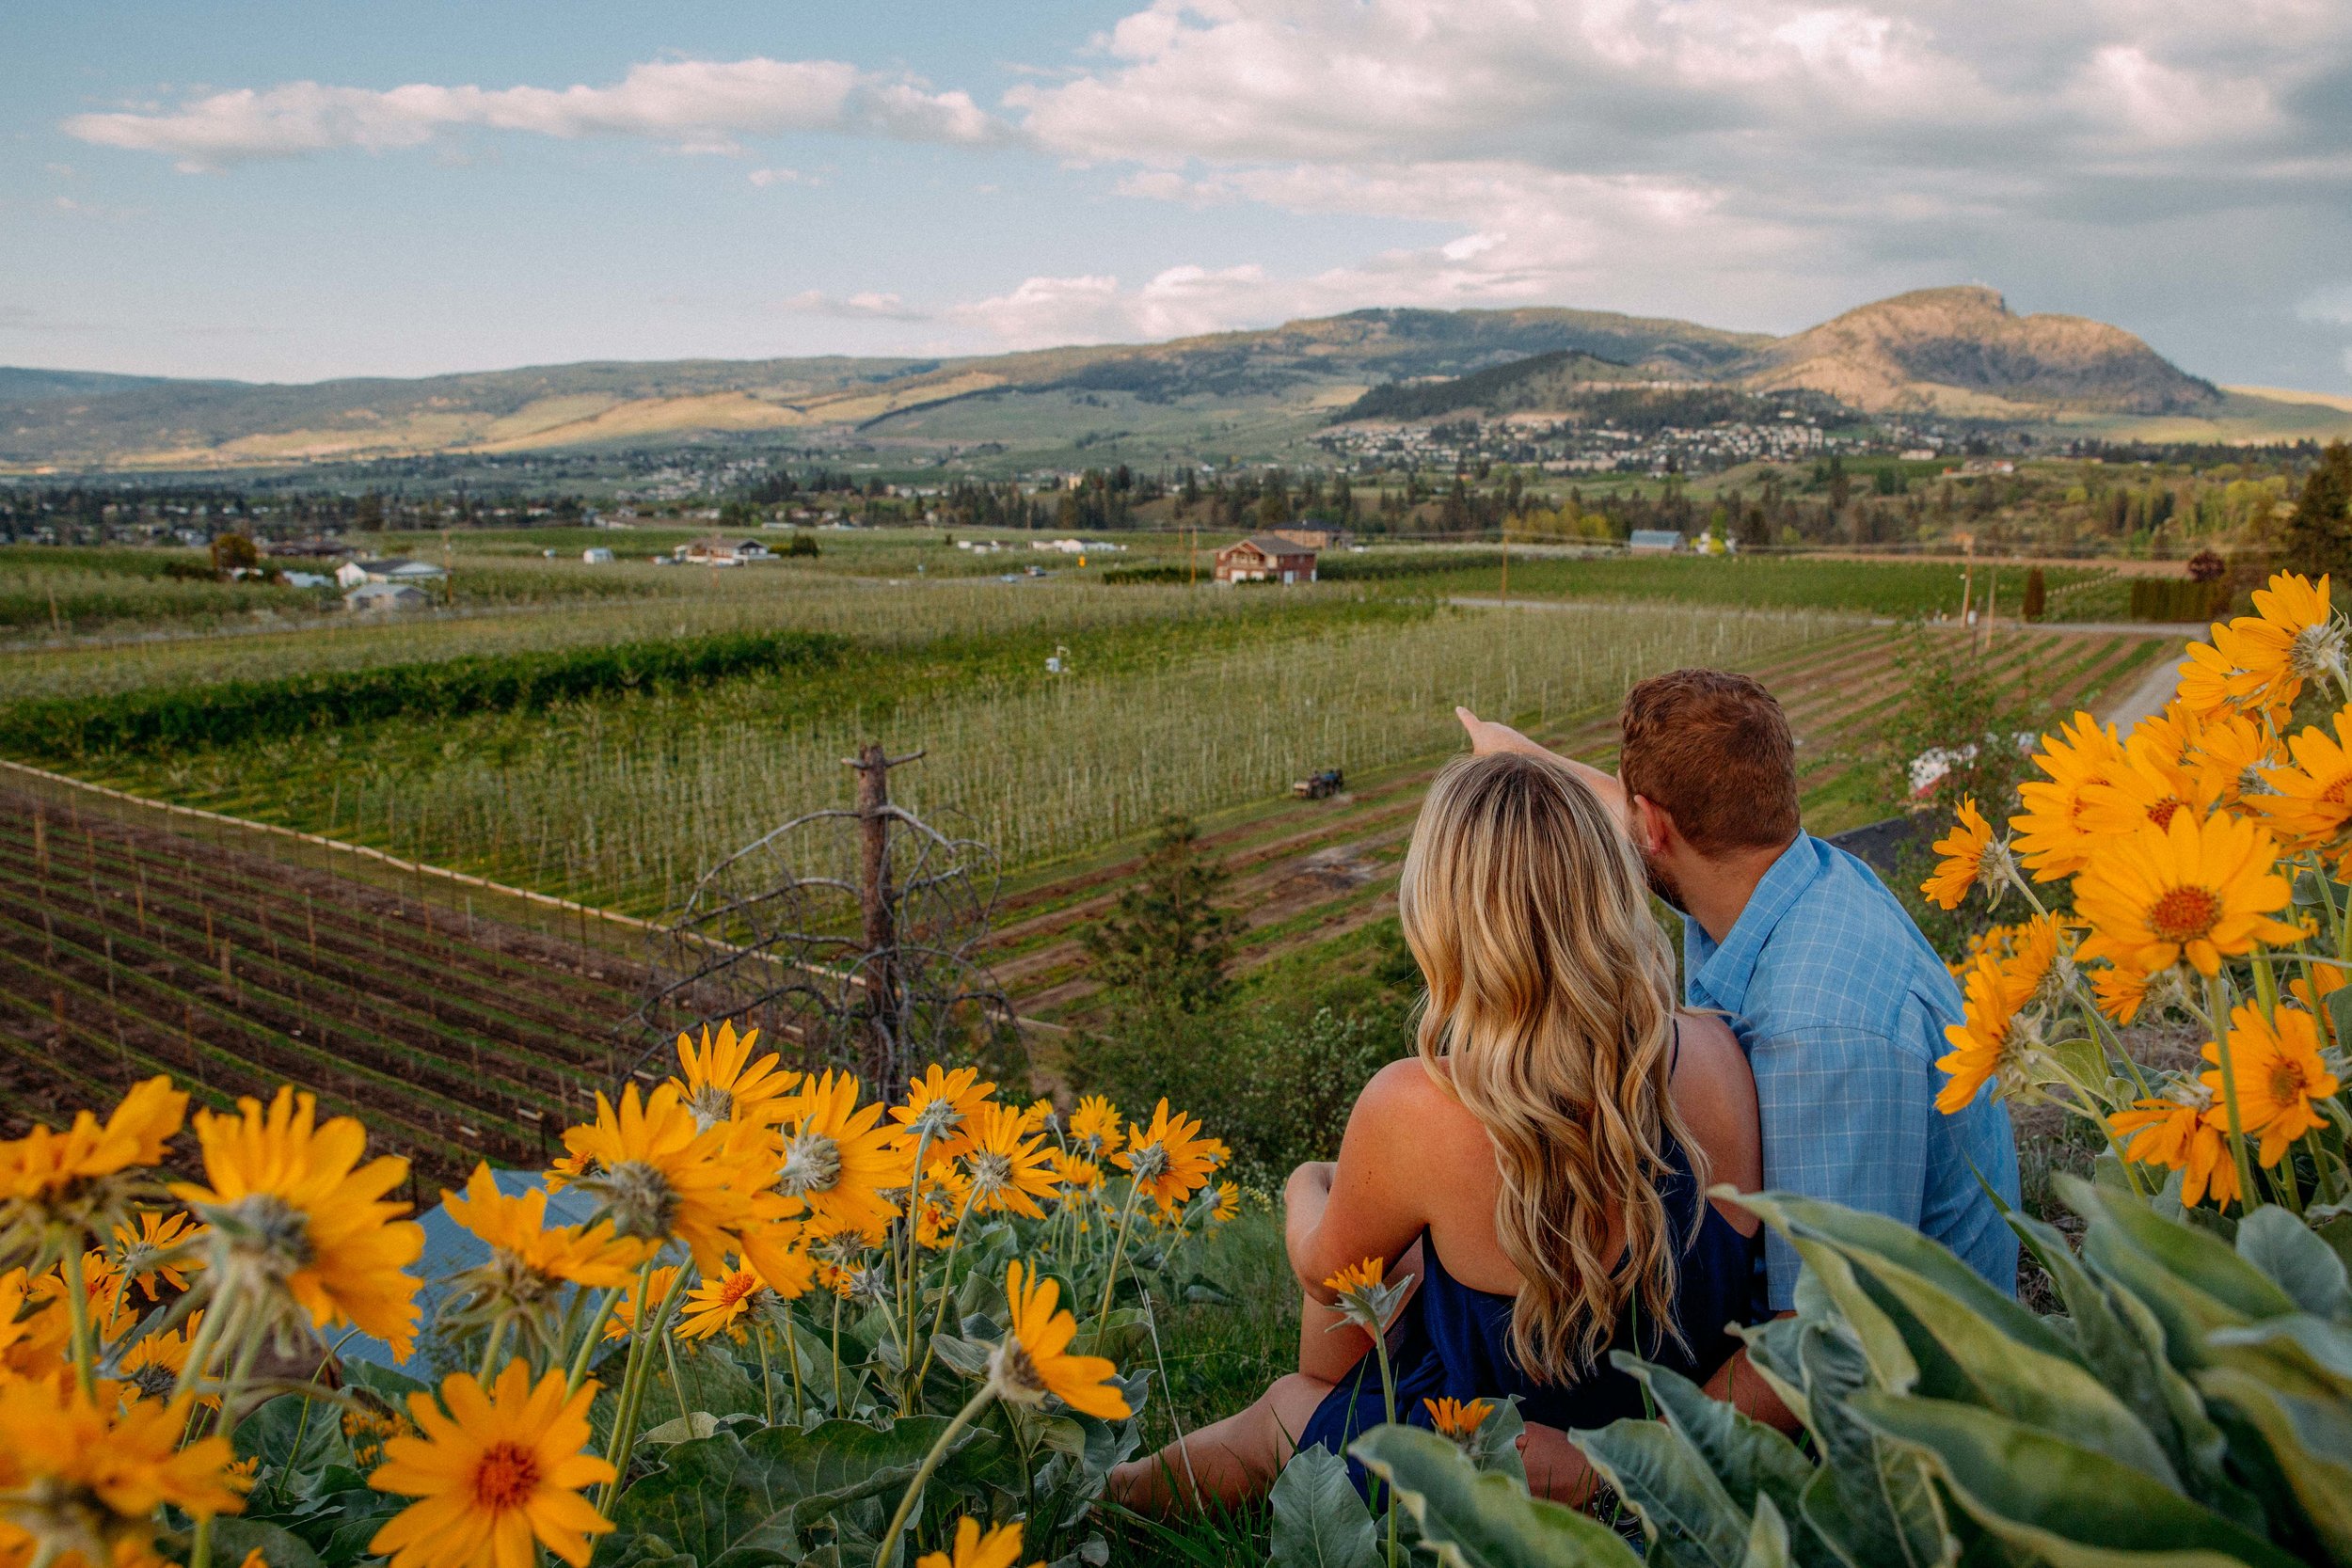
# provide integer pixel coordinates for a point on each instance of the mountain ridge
(1956, 351)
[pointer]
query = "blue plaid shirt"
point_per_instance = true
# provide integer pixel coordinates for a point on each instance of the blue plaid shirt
(1840, 1005)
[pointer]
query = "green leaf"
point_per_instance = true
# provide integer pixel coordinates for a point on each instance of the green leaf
(1320, 1520)
(1768, 1538)
(2310, 1440)
(1692, 1521)
(2189, 1279)
(1874, 1236)
(271, 1434)
(1749, 1459)
(2063, 1503)
(2305, 1267)
(1483, 1521)
(1495, 1446)
(232, 1538)
(720, 1494)
(2308, 1350)
(1872, 1501)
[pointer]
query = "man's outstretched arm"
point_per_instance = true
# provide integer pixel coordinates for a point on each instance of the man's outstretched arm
(1488, 737)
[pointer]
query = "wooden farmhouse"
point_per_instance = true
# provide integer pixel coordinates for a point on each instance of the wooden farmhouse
(1265, 558)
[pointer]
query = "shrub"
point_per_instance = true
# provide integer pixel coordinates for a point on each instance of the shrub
(234, 711)
(2178, 598)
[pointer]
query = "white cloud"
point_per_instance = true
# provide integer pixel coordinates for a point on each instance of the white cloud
(2331, 305)
(868, 306)
(692, 105)
(766, 177)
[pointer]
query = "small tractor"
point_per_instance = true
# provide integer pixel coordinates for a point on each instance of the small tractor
(1318, 786)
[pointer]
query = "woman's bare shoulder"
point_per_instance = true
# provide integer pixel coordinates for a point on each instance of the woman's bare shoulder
(1409, 1100)
(1716, 1094)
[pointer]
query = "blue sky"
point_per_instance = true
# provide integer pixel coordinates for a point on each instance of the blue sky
(289, 192)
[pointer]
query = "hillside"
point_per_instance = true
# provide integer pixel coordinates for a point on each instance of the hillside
(1958, 351)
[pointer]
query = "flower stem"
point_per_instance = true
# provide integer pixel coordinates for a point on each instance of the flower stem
(910, 1262)
(1119, 1251)
(767, 1382)
(837, 1352)
(641, 1356)
(888, 1552)
(1388, 1408)
(490, 1352)
(77, 1318)
(596, 1332)
(2219, 1003)
(946, 1290)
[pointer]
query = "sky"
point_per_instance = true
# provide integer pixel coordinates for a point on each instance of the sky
(290, 192)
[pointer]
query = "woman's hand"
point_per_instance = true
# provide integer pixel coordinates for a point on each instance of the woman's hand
(1556, 1469)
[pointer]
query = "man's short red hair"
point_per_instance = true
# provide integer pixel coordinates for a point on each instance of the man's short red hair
(1713, 750)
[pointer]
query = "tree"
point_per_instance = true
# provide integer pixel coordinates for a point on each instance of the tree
(2318, 537)
(233, 552)
(1165, 945)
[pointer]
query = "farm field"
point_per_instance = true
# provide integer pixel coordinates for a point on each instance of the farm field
(620, 802)
(127, 951)
(1310, 874)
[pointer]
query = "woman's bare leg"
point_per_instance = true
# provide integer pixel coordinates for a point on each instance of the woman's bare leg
(1226, 1464)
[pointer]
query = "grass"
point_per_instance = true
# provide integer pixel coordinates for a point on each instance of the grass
(1878, 588)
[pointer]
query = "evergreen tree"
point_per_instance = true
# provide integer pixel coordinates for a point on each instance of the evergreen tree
(2318, 537)
(1165, 945)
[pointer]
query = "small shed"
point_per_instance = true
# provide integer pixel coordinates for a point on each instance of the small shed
(596, 555)
(1655, 541)
(1265, 558)
(715, 552)
(380, 597)
(351, 574)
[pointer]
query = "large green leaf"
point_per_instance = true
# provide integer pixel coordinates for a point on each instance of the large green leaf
(295, 1437)
(1866, 1236)
(1475, 1520)
(2068, 1504)
(721, 1494)
(1692, 1520)
(1872, 1501)
(1768, 1539)
(2310, 1441)
(1320, 1520)
(2299, 1347)
(2191, 1280)
(2302, 1265)
(2122, 1341)
(1747, 1457)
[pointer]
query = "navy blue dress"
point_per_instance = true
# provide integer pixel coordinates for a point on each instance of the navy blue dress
(1452, 1341)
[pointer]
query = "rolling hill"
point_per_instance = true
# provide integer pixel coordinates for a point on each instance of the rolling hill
(1958, 352)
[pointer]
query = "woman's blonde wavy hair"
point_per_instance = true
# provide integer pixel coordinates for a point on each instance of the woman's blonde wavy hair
(1550, 1007)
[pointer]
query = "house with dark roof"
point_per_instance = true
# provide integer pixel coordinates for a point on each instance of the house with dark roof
(1265, 558)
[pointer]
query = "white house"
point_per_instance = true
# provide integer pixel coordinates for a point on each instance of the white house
(1654, 541)
(715, 552)
(380, 597)
(596, 555)
(351, 574)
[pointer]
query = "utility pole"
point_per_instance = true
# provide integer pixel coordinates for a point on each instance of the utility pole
(1506, 563)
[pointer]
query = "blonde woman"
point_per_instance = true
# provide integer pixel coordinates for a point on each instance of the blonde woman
(1542, 1162)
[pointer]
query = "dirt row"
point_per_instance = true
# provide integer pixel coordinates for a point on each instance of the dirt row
(127, 951)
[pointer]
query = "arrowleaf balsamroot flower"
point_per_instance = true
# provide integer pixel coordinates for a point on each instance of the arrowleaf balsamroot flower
(719, 1302)
(517, 1233)
(1035, 1358)
(1007, 1170)
(1168, 1160)
(1988, 1043)
(82, 1477)
(1094, 1127)
(941, 1105)
(496, 1478)
(1965, 852)
(1366, 1299)
(1451, 1417)
(998, 1547)
(2175, 1130)
(2051, 841)
(721, 1083)
(2308, 802)
(298, 1223)
(2293, 638)
(71, 1188)
(2198, 890)
(660, 1176)
(836, 1163)
(2275, 1062)
(159, 1253)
